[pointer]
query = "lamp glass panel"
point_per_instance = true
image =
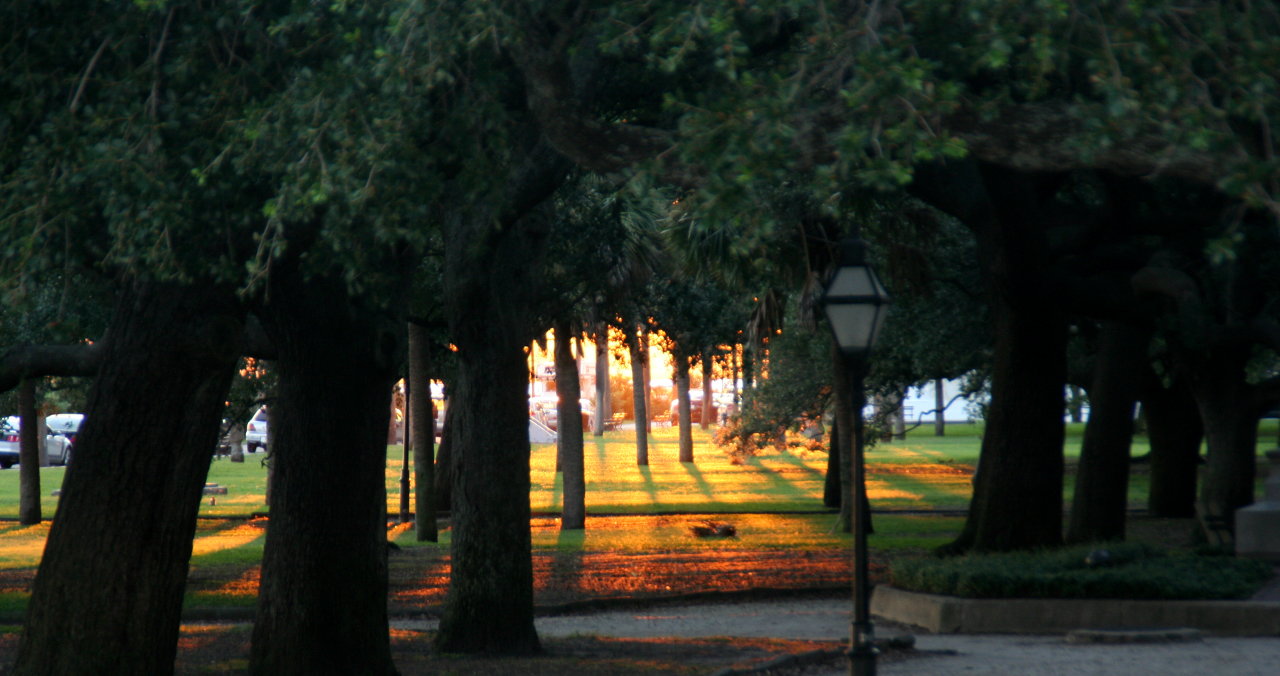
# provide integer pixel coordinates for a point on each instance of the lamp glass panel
(854, 281)
(855, 325)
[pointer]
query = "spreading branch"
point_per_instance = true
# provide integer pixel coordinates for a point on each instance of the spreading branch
(1052, 137)
(29, 361)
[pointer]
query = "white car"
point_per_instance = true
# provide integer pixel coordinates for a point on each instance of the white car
(255, 433)
(58, 446)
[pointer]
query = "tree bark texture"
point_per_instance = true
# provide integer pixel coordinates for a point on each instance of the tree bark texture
(573, 515)
(640, 399)
(28, 455)
(684, 409)
(1101, 497)
(1175, 434)
(489, 606)
(322, 602)
(1017, 497)
(422, 418)
(444, 458)
(108, 595)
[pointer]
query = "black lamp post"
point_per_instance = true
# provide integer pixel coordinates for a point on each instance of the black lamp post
(855, 304)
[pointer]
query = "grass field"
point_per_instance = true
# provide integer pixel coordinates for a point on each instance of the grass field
(924, 472)
(773, 499)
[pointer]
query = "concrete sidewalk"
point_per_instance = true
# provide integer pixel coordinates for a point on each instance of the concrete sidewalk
(934, 655)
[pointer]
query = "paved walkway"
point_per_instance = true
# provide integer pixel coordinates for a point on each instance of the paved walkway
(935, 655)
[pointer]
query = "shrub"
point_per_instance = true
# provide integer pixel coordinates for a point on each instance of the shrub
(1131, 571)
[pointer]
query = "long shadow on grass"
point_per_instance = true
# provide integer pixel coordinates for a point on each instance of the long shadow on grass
(696, 475)
(919, 491)
(649, 486)
(796, 461)
(775, 484)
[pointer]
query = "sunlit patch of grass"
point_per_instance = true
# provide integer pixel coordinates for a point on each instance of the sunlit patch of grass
(225, 538)
(22, 546)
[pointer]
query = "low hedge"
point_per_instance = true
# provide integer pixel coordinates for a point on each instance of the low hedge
(1128, 571)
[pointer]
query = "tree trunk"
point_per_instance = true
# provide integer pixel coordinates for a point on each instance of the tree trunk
(939, 403)
(639, 399)
(108, 595)
(1175, 433)
(28, 455)
(708, 397)
(899, 418)
(1101, 498)
(842, 438)
(573, 515)
(1229, 412)
(647, 377)
(322, 602)
(444, 456)
(422, 418)
(1017, 496)
(604, 408)
(684, 411)
(831, 483)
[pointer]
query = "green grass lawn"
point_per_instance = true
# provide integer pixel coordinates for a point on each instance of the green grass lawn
(775, 498)
(922, 472)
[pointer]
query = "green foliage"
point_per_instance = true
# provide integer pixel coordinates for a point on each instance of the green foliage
(797, 390)
(1127, 570)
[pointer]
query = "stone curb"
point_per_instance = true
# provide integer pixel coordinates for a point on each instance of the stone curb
(953, 615)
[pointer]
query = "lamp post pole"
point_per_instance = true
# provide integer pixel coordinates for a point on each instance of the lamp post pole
(855, 304)
(862, 650)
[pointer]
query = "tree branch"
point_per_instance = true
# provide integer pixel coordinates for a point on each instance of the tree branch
(1052, 137)
(26, 361)
(601, 147)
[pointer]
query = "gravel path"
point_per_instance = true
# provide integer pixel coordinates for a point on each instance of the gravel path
(935, 655)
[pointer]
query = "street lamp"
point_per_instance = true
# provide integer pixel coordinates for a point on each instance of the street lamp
(855, 304)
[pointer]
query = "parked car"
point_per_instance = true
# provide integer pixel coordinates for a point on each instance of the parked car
(68, 425)
(255, 433)
(695, 407)
(57, 445)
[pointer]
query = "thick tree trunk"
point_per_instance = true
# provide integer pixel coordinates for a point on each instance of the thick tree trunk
(1017, 496)
(444, 456)
(489, 608)
(1229, 411)
(640, 399)
(604, 409)
(1175, 434)
(322, 602)
(573, 515)
(28, 455)
(422, 418)
(108, 595)
(1101, 498)
(684, 411)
